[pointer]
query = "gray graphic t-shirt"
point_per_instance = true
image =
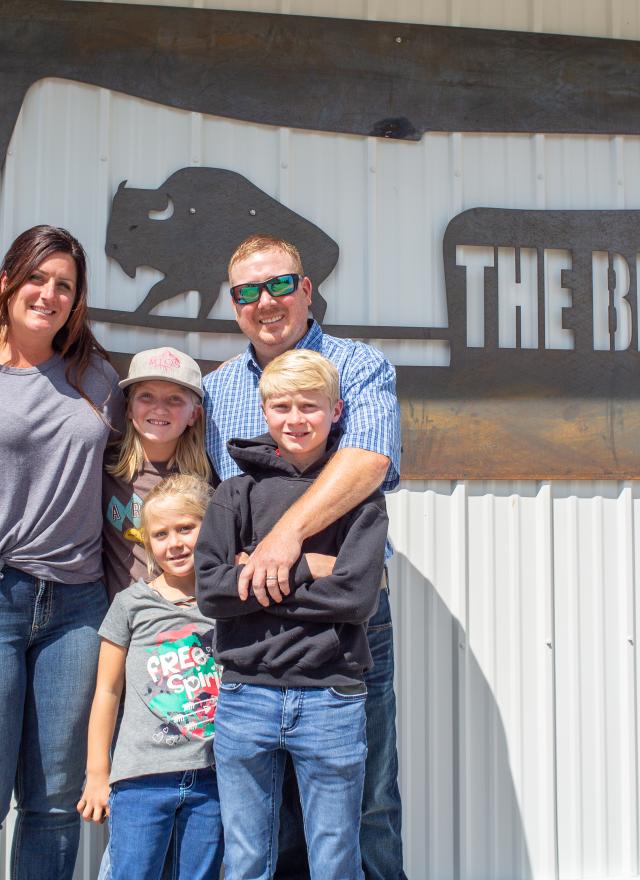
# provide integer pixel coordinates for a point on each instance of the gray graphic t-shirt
(172, 684)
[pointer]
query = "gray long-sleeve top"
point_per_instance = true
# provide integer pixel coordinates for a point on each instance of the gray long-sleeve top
(51, 448)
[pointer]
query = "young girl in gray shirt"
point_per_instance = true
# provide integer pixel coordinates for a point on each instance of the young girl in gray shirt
(161, 787)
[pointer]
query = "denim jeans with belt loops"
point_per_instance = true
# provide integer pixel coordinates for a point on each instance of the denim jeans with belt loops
(381, 828)
(48, 658)
(323, 730)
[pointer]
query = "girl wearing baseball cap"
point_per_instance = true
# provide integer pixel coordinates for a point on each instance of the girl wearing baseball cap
(164, 435)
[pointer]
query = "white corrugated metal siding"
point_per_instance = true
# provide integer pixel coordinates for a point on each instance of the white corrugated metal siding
(517, 670)
(514, 603)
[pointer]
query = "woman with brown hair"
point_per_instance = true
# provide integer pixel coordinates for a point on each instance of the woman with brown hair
(60, 401)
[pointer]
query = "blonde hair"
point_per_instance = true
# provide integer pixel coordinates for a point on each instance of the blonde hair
(190, 456)
(255, 244)
(194, 495)
(300, 369)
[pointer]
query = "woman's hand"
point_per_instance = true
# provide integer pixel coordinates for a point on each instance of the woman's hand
(93, 806)
(320, 565)
(242, 558)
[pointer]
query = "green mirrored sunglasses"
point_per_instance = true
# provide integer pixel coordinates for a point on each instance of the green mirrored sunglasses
(280, 285)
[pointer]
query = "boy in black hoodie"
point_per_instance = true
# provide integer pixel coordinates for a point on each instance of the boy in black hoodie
(293, 671)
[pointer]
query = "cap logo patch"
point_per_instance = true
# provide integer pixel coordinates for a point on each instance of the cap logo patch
(166, 360)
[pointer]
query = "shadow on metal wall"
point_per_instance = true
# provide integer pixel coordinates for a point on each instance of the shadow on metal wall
(461, 816)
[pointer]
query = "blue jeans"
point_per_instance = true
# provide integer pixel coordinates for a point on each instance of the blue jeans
(380, 831)
(104, 872)
(48, 657)
(324, 732)
(150, 812)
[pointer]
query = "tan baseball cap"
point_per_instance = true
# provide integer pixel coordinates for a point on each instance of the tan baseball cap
(167, 364)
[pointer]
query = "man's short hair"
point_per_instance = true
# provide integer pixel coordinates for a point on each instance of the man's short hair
(255, 244)
(298, 370)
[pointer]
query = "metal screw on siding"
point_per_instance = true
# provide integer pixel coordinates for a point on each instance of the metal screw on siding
(192, 210)
(630, 640)
(549, 645)
(252, 211)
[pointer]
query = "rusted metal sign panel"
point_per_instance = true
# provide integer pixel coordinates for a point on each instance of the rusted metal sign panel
(369, 78)
(523, 398)
(516, 439)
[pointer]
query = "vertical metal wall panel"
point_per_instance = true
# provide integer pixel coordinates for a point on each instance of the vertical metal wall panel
(595, 681)
(427, 673)
(515, 607)
(506, 653)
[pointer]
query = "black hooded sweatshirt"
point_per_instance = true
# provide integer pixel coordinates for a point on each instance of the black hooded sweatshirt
(316, 637)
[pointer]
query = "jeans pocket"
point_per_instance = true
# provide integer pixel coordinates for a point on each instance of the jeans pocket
(344, 696)
(380, 627)
(233, 687)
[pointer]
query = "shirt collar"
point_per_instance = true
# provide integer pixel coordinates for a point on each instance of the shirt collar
(312, 339)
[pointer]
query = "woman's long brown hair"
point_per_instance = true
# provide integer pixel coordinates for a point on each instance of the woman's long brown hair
(75, 341)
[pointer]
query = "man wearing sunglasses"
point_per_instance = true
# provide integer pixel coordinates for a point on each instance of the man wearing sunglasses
(271, 297)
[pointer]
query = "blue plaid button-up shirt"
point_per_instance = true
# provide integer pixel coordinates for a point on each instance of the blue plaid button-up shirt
(370, 418)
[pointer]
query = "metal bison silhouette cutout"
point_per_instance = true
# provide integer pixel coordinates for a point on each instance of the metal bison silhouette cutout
(213, 210)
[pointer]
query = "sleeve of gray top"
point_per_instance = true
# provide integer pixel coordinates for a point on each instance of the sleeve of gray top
(116, 627)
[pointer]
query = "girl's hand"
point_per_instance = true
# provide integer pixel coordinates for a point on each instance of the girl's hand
(320, 565)
(93, 806)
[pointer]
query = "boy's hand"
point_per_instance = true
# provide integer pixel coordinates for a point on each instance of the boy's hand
(93, 806)
(320, 565)
(267, 571)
